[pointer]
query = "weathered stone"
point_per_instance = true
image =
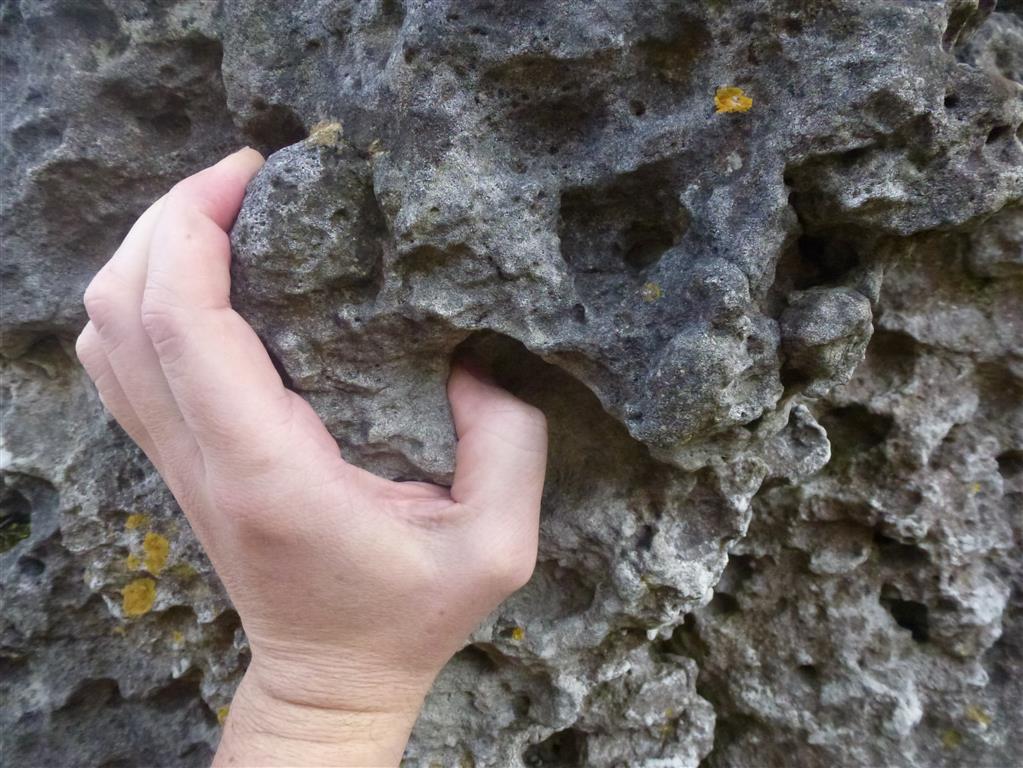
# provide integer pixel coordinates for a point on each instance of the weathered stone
(780, 349)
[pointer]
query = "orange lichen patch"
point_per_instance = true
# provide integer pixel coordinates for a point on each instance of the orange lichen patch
(979, 716)
(222, 714)
(951, 739)
(157, 548)
(518, 634)
(136, 520)
(731, 99)
(138, 597)
(326, 133)
(651, 292)
(132, 562)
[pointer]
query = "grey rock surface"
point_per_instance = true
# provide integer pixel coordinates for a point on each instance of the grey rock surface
(780, 350)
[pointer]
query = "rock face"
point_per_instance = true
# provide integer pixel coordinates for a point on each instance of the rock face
(780, 346)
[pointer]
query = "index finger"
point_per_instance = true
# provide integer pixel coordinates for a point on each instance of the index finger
(226, 387)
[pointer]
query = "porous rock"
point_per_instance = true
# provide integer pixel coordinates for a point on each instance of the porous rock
(779, 350)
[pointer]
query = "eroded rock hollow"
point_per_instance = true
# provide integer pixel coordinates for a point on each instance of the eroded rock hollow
(761, 264)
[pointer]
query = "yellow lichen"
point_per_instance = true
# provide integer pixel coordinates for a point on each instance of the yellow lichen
(183, 571)
(178, 637)
(518, 634)
(951, 739)
(975, 488)
(326, 133)
(731, 99)
(132, 562)
(222, 713)
(651, 292)
(136, 520)
(157, 548)
(138, 597)
(979, 716)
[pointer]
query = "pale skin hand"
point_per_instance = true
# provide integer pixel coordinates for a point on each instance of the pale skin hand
(353, 590)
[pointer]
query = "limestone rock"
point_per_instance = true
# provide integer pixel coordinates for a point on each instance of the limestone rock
(780, 350)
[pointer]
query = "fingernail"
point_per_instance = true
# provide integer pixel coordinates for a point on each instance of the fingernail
(243, 151)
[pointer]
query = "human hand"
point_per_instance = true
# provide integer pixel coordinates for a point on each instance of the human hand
(353, 590)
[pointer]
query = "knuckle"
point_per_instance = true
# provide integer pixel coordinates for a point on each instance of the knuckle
(164, 325)
(87, 349)
(525, 415)
(521, 425)
(99, 303)
(534, 416)
(106, 298)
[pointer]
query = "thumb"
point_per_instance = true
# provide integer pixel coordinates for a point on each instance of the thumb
(501, 455)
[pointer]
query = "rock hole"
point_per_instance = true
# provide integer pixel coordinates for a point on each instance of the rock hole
(951, 101)
(1010, 465)
(644, 244)
(477, 658)
(15, 518)
(672, 59)
(31, 567)
(178, 694)
(891, 359)
(645, 539)
(998, 133)
(854, 430)
(895, 553)
(792, 26)
(740, 569)
(625, 225)
(564, 749)
(638, 107)
(908, 614)
(93, 693)
(723, 604)
(274, 127)
(808, 672)
(556, 102)
(825, 259)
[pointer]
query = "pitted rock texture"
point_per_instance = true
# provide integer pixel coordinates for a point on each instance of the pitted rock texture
(781, 353)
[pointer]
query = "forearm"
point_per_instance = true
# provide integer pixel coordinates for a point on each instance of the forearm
(262, 730)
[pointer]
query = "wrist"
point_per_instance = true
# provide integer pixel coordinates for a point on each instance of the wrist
(266, 726)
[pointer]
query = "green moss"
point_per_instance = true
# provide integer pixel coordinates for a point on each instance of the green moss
(11, 532)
